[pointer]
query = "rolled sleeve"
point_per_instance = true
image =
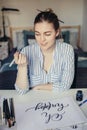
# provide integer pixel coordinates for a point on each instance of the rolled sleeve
(21, 91)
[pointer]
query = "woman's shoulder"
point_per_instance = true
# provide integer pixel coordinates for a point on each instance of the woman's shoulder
(63, 45)
(32, 48)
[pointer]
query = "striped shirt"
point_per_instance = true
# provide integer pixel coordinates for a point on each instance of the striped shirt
(61, 73)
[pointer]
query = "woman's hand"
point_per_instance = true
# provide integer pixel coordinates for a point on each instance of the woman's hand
(43, 87)
(20, 59)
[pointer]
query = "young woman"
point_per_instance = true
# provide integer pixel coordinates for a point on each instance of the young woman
(48, 64)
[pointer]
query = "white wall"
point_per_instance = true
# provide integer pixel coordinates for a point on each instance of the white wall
(70, 11)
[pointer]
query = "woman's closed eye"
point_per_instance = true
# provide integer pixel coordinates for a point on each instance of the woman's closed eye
(37, 34)
(47, 34)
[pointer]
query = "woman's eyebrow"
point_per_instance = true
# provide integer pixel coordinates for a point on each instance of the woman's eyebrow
(44, 32)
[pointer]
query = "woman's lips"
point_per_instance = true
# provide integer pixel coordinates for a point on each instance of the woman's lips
(43, 44)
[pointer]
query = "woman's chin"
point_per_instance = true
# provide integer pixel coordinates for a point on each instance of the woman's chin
(44, 48)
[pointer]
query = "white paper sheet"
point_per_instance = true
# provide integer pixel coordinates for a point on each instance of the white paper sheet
(49, 115)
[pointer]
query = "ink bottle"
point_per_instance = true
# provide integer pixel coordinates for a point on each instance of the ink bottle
(79, 95)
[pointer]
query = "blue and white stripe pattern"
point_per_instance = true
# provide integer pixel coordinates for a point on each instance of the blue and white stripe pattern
(61, 73)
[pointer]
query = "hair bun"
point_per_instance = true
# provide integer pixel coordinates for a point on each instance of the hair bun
(49, 10)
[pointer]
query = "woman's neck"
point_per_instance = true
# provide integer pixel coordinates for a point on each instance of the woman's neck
(48, 51)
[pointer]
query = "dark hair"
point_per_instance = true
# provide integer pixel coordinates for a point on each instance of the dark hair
(48, 16)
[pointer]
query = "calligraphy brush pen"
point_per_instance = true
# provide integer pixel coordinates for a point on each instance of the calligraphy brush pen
(7, 112)
(12, 113)
(4, 119)
(12, 62)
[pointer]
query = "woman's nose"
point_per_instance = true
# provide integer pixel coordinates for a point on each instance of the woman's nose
(42, 38)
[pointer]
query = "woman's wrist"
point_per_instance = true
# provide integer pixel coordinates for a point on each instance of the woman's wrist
(22, 67)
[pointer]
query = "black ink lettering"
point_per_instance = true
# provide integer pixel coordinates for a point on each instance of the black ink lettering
(29, 109)
(57, 116)
(48, 116)
(48, 106)
(43, 106)
(53, 117)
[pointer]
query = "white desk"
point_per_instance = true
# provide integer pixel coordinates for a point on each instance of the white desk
(41, 95)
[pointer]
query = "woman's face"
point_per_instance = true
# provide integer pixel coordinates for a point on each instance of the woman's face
(45, 35)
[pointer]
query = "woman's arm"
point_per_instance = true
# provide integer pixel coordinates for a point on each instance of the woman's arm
(43, 87)
(22, 83)
(67, 72)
